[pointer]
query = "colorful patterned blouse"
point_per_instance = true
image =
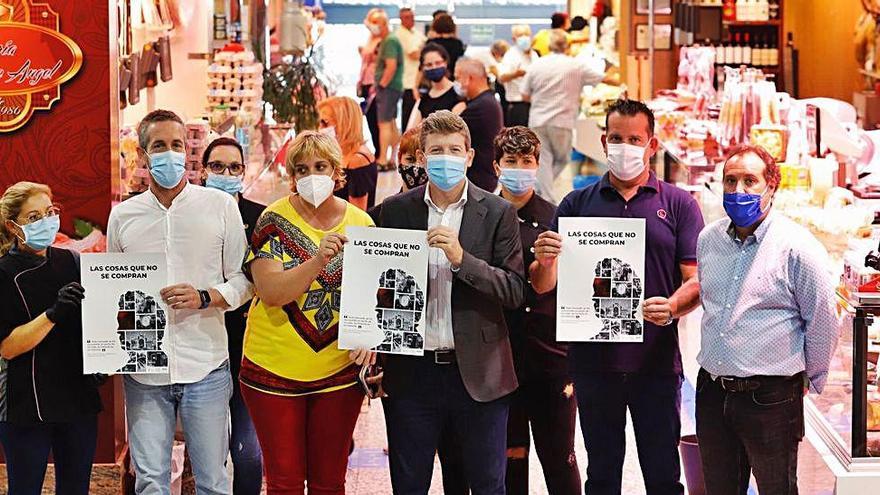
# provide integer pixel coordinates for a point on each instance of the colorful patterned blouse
(292, 350)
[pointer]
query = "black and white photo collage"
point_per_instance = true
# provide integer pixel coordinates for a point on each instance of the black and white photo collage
(141, 331)
(617, 293)
(400, 303)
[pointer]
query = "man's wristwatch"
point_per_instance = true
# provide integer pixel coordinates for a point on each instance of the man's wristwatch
(205, 296)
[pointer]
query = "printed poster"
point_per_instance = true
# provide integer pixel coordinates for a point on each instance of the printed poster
(124, 318)
(384, 286)
(599, 290)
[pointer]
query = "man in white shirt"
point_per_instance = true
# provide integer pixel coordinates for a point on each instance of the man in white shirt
(202, 235)
(512, 72)
(412, 42)
(553, 86)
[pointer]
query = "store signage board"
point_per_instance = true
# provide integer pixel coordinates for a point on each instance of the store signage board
(482, 34)
(35, 60)
(600, 288)
(125, 322)
(384, 290)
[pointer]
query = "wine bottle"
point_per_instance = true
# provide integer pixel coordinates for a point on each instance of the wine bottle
(737, 51)
(747, 51)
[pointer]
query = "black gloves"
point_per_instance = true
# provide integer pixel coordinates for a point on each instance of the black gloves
(68, 303)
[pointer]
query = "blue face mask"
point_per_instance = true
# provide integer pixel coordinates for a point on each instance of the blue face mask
(446, 171)
(524, 43)
(41, 234)
(744, 209)
(167, 168)
(518, 181)
(436, 74)
(226, 183)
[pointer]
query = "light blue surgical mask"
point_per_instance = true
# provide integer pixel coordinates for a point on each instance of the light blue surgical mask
(518, 181)
(40, 235)
(167, 168)
(524, 43)
(446, 171)
(227, 183)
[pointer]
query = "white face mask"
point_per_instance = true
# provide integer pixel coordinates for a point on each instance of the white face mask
(315, 189)
(626, 161)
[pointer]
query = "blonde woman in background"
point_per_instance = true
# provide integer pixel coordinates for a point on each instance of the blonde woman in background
(340, 117)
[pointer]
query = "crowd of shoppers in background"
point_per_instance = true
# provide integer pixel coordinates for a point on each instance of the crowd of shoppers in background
(254, 297)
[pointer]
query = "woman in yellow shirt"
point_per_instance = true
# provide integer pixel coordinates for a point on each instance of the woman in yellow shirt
(299, 387)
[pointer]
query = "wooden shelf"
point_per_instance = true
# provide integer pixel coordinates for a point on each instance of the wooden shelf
(774, 22)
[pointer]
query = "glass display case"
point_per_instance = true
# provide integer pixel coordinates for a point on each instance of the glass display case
(846, 416)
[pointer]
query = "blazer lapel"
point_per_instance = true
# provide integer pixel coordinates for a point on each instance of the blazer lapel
(472, 218)
(417, 212)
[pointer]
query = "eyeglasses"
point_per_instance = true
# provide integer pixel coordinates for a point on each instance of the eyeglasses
(219, 168)
(34, 216)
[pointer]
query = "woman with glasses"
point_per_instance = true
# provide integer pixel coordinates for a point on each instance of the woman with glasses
(340, 118)
(434, 64)
(300, 388)
(223, 168)
(46, 403)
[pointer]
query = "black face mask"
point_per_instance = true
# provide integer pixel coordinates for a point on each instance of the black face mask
(413, 175)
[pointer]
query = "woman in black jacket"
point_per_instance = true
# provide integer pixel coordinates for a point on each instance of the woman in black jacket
(46, 403)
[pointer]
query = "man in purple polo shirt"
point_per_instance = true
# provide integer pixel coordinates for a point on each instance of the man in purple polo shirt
(644, 377)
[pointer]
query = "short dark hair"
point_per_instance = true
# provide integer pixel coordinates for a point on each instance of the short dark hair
(443, 24)
(436, 48)
(631, 108)
(438, 12)
(577, 23)
(772, 174)
(557, 20)
(517, 140)
(222, 141)
(152, 118)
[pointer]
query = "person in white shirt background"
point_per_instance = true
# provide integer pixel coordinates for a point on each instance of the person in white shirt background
(201, 232)
(553, 86)
(511, 73)
(412, 41)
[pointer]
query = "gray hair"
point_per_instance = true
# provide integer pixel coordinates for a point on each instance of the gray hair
(472, 67)
(558, 41)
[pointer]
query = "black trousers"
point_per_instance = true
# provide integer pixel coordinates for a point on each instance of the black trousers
(654, 402)
(372, 118)
(517, 114)
(750, 432)
(416, 420)
(550, 407)
(409, 102)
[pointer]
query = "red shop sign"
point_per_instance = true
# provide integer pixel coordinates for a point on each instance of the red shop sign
(35, 59)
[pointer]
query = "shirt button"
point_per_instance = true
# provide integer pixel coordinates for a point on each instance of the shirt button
(534, 224)
(532, 249)
(728, 306)
(528, 309)
(719, 362)
(721, 334)
(736, 277)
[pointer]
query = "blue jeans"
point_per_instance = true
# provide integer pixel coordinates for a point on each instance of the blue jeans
(441, 404)
(27, 454)
(654, 402)
(247, 459)
(152, 418)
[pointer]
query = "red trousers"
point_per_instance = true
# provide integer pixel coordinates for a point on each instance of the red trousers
(305, 438)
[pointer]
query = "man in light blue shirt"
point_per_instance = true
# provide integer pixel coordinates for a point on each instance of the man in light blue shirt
(768, 331)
